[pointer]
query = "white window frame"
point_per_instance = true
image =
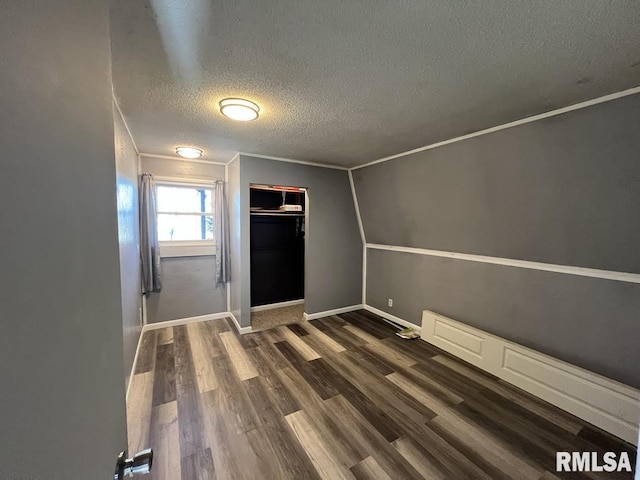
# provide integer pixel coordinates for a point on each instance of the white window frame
(186, 248)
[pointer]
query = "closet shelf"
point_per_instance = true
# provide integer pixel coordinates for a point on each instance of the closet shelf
(278, 214)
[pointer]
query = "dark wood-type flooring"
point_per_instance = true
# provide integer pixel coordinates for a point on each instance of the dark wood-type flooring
(339, 397)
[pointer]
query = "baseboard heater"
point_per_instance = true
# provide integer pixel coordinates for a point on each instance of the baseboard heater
(608, 404)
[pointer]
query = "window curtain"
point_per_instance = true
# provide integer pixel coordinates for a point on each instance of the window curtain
(221, 232)
(149, 247)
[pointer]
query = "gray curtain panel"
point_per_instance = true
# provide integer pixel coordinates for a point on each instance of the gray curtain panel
(149, 247)
(221, 232)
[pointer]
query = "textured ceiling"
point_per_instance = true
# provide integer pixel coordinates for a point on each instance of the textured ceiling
(349, 82)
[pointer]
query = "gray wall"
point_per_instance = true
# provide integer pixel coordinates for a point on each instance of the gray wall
(585, 321)
(333, 263)
(188, 290)
(180, 168)
(235, 236)
(128, 239)
(188, 284)
(61, 356)
(563, 190)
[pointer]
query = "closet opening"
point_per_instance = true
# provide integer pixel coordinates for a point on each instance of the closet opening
(278, 222)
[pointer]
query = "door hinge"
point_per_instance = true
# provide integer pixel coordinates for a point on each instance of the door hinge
(139, 464)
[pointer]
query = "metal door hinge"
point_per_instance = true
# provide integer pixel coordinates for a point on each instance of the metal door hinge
(139, 464)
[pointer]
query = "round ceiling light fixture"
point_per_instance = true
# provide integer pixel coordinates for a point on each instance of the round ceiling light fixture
(239, 109)
(189, 152)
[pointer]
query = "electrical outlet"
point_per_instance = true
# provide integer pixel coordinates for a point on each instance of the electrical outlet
(390, 302)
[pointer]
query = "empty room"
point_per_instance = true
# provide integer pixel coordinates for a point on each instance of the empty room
(320, 240)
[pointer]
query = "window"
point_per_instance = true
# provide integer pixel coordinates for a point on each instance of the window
(185, 219)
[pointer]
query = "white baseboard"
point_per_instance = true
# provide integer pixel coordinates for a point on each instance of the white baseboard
(133, 365)
(608, 404)
(201, 318)
(271, 306)
(241, 330)
(144, 310)
(337, 311)
(393, 318)
(186, 320)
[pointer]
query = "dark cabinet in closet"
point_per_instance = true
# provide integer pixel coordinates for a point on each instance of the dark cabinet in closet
(277, 247)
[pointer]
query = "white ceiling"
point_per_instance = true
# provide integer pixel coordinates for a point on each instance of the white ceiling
(349, 82)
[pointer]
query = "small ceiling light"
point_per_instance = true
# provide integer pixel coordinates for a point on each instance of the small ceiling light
(189, 152)
(239, 109)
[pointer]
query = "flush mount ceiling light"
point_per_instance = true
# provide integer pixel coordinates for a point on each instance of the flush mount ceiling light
(189, 152)
(239, 109)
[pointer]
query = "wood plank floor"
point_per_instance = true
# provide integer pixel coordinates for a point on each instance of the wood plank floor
(340, 397)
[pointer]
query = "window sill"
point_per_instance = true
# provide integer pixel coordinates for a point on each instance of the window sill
(185, 249)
